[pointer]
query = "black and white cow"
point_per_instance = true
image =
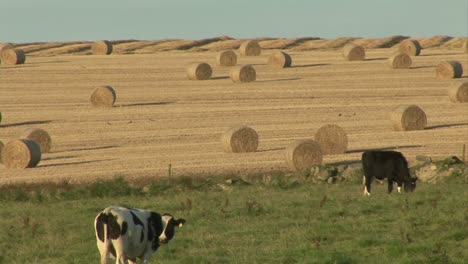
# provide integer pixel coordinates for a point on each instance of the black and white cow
(387, 164)
(128, 233)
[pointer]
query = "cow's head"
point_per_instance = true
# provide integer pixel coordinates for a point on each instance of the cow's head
(169, 225)
(410, 185)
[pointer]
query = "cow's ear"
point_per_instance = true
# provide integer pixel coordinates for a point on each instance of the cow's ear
(180, 222)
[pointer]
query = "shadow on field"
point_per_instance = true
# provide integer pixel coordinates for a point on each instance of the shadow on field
(74, 163)
(27, 123)
(384, 148)
(441, 54)
(220, 78)
(84, 149)
(273, 149)
(345, 162)
(281, 80)
(310, 65)
(48, 62)
(422, 67)
(60, 157)
(375, 59)
(145, 104)
(447, 125)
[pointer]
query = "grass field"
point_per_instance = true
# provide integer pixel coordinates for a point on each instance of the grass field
(277, 222)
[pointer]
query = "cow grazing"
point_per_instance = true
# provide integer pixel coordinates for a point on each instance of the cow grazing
(128, 233)
(387, 164)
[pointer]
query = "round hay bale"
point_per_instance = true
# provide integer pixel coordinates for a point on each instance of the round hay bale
(399, 61)
(40, 136)
(303, 154)
(411, 47)
(199, 71)
(226, 58)
(354, 52)
(102, 47)
(5, 46)
(408, 117)
(1, 149)
(449, 70)
(332, 139)
(13, 56)
(240, 139)
(243, 73)
(280, 59)
(458, 93)
(21, 153)
(250, 48)
(103, 96)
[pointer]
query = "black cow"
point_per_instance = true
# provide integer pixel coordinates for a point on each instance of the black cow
(387, 164)
(129, 233)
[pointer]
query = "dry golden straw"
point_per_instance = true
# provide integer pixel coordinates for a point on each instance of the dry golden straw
(303, 154)
(21, 153)
(353, 52)
(332, 139)
(40, 136)
(408, 117)
(5, 46)
(199, 71)
(458, 93)
(399, 61)
(250, 48)
(226, 58)
(13, 56)
(1, 149)
(240, 139)
(410, 47)
(103, 96)
(449, 70)
(280, 59)
(243, 73)
(102, 47)
(465, 46)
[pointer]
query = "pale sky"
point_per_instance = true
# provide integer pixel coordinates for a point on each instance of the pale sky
(69, 20)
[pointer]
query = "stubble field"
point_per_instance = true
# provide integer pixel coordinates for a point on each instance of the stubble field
(162, 119)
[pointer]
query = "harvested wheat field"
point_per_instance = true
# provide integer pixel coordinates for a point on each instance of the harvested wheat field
(161, 119)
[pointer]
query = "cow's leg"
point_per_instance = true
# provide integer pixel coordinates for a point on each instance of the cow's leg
(121, 259)
(103, 251)
(399, 186)
(147, 256)
(367, 183)
(390, 185)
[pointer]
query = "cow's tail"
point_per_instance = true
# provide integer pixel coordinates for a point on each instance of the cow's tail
(105, 254)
